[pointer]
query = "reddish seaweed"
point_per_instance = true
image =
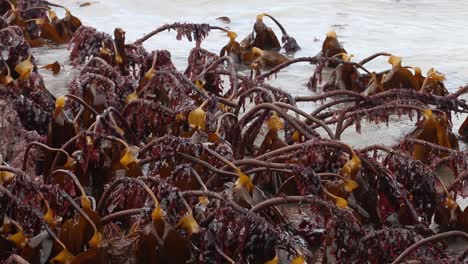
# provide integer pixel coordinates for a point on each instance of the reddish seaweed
(142, 163)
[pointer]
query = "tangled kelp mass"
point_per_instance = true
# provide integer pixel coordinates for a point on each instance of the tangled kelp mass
(142, 163)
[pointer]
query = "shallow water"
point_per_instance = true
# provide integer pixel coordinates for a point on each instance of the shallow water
(425, 33)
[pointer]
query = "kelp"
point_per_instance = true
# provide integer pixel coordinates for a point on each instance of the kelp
(331, 47)
(346, 77)
(463, 130)
(398, 76)
(40, 23)
(142, 163)
(263, 37)
(233, 47)
(264, 59)
(53, 67)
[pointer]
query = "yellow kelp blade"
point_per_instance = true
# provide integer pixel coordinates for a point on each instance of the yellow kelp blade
(127, 158)
(6, 80)
(395, 61)
(75, 22)
(257, 52)
(331, 34)
(60, 102)
(189, 224)
(59, 105)
(70, 164)
(197, 118)
(232, 35)
(49, 216)
(149, 74)
(350, 185)
(64, 257)
(347, 57)
(450, 203)
(24, 68)
(6, 177)
(244, 181)
(298, 260)
(351, 167)
(85, 202)
(95, 239)
(199, 84)
(435, 75)
(296, 136)
(158, 213)
(19, 239)
(340, 202)
(104, 50)
(131, 97)
(52, 15)
(202, 200)
(275, 123)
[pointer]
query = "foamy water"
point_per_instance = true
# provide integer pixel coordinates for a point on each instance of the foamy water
(425, 33)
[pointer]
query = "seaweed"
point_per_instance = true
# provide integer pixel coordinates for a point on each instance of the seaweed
(140, 162)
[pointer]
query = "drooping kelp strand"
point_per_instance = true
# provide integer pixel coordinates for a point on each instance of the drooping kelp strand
(289, 43)
(463, 131)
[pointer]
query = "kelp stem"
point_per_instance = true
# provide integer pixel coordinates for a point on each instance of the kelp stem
(37, 144)
(78, 208)
(281, 113)
(83, 103)
(430, 239)
(116, 215)
(366, 60)
(290, 199)
(309, 117)
(214, 195)
(119, 181)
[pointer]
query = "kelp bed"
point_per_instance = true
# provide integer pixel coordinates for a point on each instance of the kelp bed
(141, 163)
